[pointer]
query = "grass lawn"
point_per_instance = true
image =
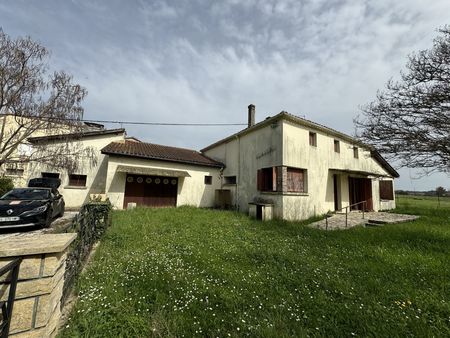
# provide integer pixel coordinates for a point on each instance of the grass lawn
(193, 272)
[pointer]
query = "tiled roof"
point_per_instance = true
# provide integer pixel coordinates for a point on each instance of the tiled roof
(159, 152)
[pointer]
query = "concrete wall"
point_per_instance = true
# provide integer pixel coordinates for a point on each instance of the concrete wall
(243, 156)
(95, 170)
(191, 190)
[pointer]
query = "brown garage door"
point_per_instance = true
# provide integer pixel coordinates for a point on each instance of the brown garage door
(152, 191)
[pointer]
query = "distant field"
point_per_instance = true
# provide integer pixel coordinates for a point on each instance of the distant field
(408, 202)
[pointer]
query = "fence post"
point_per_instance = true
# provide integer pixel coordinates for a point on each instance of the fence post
(364, 207)
(346, 212)
(326, 222)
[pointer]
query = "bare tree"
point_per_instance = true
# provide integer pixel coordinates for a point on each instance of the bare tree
(410, 119)
(36, 102)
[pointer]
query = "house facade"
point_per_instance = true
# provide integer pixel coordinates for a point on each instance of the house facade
(89, 177)
(147, 174)
(284, 167)
(301, 169)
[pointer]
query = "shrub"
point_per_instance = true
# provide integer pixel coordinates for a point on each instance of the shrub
(6, 185)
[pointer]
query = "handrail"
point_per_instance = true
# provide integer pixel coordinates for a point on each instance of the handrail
(346, 212)
(7, 307)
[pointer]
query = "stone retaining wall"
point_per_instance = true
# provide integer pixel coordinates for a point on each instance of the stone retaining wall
(36, 310)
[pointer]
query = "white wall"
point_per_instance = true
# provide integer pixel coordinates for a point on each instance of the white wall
(243, 156)
(191, 190)
(96, 172)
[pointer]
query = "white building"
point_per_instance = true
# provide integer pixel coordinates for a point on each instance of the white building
(284, 166)
(301, 169)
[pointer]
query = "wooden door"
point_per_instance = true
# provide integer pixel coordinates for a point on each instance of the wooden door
(152, 191)
(360, 189)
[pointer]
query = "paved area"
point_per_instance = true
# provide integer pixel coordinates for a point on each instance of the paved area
(355, 218)
(58, 225)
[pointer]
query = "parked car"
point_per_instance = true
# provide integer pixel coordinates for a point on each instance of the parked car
(37, 205)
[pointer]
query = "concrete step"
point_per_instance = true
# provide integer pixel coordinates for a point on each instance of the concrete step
(376, 221)
(371, 224)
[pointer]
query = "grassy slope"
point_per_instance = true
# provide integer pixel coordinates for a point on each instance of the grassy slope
(175, 272)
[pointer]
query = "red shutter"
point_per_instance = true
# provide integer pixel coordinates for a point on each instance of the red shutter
(259, 181)
(274, 178)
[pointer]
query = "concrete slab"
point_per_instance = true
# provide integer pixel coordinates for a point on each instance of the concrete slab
(355, 218)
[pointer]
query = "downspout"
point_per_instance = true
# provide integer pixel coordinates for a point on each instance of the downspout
(239, 174)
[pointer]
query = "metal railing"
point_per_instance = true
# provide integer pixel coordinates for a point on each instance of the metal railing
(346, 212)
(7, 306)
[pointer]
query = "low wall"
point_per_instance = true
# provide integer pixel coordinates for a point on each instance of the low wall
(36, 310)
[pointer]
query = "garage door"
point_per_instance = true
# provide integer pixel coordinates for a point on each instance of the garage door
(152, 191)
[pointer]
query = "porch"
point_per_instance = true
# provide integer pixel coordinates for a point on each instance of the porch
(355, 218)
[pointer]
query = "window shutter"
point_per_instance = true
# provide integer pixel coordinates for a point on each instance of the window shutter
(274, 178)
(259, 183)
(386, 190)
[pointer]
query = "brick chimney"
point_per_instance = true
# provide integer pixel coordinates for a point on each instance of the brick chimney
(251, 115)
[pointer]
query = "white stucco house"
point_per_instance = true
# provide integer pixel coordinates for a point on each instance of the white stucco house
(284, 166)
(297, 169)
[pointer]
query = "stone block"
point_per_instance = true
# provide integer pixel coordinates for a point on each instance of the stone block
(47, 305)
(53, 262)
(44, 243)
(22, 315)
(34, 287)
(39, 333)
(29, 267)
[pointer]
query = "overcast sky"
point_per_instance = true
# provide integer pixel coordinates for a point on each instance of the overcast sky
(205, 61)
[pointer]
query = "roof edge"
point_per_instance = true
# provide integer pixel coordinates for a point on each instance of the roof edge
(213, 165)
(81, 134)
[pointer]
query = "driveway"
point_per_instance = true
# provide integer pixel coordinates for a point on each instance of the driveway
(58, 225)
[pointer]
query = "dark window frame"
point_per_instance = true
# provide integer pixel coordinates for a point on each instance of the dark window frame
(14, 172)
(230, 180)
(47, 174)
(313, 139)
(208, 179)
(337, 146)
(267, 179)
(77, 180)
(355, 152)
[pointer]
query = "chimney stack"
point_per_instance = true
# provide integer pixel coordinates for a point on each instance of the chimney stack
(251, 115)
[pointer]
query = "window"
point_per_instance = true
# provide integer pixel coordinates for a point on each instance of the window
(229, 180)
(77, 180)
(208, 180)
(14, 172)
(296, 180)
(337, 147)
(267, 179)
(355, 152)
(386, 190)
(50, 175)
(312, 139)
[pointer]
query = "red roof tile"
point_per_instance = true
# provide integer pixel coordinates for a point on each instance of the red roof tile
(159, 152)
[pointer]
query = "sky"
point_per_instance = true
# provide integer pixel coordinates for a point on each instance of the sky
(191, 61)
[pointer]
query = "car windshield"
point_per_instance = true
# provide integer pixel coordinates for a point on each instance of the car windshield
(27, 194)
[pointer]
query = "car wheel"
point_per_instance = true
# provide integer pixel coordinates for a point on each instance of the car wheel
(49, 219)
(61, 213)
